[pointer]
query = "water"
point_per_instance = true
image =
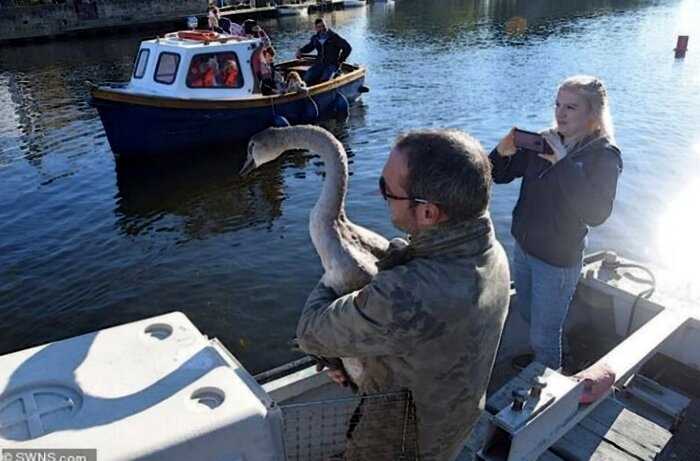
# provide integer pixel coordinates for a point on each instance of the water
(86, 242)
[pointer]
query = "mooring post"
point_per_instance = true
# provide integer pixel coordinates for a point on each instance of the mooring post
(681, 46)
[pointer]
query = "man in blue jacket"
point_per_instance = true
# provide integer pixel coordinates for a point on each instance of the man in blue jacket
(332, 50)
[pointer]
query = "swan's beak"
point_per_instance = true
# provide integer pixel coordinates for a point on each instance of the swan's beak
(247, 167)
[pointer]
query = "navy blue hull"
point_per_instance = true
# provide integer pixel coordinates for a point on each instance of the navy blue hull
(137, 130)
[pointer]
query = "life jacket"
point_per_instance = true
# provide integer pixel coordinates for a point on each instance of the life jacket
(231, 77)
(195, 77)
(208, 79)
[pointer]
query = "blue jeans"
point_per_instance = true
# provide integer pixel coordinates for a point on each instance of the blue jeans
(543, 294)
(319, 73)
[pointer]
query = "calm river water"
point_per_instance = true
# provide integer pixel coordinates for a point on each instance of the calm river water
(87, 242)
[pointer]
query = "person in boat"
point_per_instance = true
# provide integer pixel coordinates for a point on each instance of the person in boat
(269, 79)
(331, 51)
(213, 16)
(230, 27)
(229, 74)
(202, 73)
(430, 321)
(562, 194)
(253, 29)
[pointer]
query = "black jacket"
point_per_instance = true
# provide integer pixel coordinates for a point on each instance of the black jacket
(333, 51)
(559, 202)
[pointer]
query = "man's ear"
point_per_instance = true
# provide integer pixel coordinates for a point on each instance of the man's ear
(432, 213)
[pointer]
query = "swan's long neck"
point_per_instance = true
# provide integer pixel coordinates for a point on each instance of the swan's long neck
(331, 203)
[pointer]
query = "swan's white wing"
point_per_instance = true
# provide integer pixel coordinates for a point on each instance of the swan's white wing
(369, 240)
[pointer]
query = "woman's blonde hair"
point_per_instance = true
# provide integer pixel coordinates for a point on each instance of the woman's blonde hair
(594, 93)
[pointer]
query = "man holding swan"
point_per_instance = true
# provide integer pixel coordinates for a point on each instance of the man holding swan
(430, 320)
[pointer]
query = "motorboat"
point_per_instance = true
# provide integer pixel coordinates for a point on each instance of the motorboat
(194, 91)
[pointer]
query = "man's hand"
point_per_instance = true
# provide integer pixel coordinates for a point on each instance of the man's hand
(335, 371)
(337, 376)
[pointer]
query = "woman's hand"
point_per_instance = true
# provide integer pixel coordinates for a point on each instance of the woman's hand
(506, 147)
(554, 142)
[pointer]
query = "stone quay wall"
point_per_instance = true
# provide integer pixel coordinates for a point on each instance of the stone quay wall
(52, 19)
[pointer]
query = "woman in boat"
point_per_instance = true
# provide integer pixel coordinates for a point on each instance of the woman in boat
(251, 28)
(562, 193)
(265, 73)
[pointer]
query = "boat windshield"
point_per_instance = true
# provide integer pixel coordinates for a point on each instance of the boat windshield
(214, 70)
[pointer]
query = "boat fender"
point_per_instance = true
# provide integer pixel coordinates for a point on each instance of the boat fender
(363, 89)
(342, 106)
(280, 121)
(311, 111)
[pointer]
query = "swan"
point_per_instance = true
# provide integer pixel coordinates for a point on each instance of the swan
(348, 252)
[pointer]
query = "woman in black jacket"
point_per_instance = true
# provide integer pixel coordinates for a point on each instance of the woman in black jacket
(562, 193)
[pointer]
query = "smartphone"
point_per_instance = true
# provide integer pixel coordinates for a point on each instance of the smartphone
(530, 141)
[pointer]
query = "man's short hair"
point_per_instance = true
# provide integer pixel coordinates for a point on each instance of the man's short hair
(448, 168)
(319, 21)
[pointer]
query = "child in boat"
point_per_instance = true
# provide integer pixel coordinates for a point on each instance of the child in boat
(229, 74)
(295, 84)
(211, 69)
(270, 80)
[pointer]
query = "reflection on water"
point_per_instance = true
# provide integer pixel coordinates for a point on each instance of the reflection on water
(205, 195)
(87, 242)
(678, 243)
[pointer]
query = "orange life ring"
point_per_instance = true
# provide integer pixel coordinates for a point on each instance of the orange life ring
(198, 35)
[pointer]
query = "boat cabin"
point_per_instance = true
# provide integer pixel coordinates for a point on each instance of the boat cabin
(197, 65)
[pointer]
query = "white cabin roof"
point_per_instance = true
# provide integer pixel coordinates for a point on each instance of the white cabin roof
(143, 76)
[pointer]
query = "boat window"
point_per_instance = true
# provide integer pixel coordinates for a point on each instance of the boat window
(215, 70)
(141, 61)
(167, 68)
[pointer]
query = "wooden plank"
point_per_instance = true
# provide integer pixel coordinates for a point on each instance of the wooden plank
(580, 444)
(626, 430)
(611, 432)
(644, 410)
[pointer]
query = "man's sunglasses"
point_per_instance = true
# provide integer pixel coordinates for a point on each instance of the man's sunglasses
(387, 195)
